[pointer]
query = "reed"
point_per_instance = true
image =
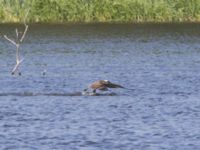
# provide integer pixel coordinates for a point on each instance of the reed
(63, 11)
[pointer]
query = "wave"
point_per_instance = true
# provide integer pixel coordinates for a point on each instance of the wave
(54, 94)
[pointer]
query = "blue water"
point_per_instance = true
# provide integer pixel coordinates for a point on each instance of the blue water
(159, 62)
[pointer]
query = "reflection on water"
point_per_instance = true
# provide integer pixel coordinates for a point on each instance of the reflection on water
(160, 62)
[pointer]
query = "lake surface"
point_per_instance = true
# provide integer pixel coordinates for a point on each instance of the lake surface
(160, 63)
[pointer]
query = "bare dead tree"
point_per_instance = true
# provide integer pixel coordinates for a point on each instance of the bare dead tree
(17, 41)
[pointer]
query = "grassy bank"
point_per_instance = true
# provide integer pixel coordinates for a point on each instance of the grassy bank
(63, 11)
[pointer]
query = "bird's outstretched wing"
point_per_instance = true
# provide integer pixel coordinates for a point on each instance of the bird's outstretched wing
(113, 85)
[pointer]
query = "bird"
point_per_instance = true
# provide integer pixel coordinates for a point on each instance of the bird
(102, 85)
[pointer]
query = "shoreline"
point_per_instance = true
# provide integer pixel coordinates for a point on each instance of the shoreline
(104, 11)
(103, 23)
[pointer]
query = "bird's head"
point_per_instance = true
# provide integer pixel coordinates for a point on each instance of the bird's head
(106, 81)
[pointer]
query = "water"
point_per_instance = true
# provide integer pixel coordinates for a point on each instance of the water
(159, 62)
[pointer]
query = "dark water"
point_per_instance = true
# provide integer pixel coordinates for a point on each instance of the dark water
(160, 62)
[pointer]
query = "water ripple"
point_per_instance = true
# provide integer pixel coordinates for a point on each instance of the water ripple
(43, 112)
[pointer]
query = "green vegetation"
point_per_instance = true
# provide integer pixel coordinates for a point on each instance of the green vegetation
(62, 11)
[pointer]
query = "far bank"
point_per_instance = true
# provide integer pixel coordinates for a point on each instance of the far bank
(104, 11)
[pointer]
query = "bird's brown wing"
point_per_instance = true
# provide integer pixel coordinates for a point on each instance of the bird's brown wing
(96, 85)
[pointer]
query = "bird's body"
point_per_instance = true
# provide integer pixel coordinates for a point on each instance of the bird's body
(102, 85)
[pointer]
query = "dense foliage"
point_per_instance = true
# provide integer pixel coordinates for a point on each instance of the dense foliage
(100, 10)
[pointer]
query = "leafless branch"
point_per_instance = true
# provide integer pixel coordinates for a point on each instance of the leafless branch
(12, 41)
(17, 43)
(26, 26)
(26, 16)
(23, 36)
(17, 34)
(15, 68)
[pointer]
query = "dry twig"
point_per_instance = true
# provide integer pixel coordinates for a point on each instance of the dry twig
(17, 43)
